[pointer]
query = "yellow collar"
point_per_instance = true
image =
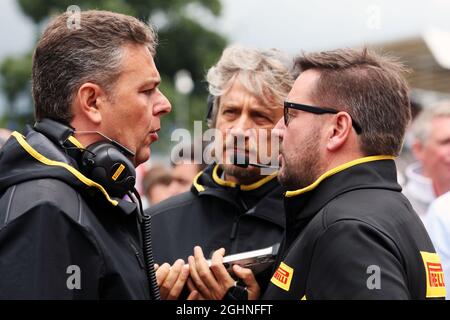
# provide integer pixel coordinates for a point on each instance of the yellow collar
(41, 158)
(197, 185)
(243, 187)
(76, 142)
(334, 171)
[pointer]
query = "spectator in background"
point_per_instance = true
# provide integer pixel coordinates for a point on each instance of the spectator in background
(437, 222)
(4, 135)
(406, 157)
(184, 171)
(156, 184)
(183, 175)
(430, 176)
(160, 183)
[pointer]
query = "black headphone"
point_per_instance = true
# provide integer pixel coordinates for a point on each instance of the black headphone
(107, 163)
(209, 107)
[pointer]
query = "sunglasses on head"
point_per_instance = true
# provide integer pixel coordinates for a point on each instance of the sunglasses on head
(315, 110)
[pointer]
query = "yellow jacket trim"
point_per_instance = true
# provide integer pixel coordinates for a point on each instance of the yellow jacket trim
(334, 171)
(243, 187)
(75, 142)
(221, 181)
(197, 185)
(39, 157)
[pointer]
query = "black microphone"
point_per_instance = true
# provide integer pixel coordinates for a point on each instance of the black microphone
(243, 161)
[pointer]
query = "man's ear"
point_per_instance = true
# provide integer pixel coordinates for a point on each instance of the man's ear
(339, 131)
(88, 100)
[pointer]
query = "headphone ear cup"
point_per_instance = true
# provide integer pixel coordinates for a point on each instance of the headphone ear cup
(209, 105)
(103, 163)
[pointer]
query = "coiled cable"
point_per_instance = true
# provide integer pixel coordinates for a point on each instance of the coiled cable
(146, 227)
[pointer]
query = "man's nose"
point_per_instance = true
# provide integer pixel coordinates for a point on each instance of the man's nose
(242, 126)
(162, 106)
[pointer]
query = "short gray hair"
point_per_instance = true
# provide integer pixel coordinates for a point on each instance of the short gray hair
(421, 127)
(268, 74)
(65, 58)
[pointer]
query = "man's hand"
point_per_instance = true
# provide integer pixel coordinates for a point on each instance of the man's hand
(171, 280)
(213, 282)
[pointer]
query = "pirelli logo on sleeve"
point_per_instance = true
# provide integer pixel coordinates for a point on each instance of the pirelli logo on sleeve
(435, 275)
(283, 276)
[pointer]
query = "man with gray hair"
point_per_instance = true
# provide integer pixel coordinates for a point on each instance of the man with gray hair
(429, 178)
(239, 209)
(66, 231)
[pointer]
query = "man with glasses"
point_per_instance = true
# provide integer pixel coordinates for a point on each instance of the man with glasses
(350, 233)
(315, 110)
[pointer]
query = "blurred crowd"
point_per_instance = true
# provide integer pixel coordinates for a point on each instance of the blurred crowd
(161, 180)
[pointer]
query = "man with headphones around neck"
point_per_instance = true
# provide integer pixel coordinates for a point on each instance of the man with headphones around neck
(66, 231)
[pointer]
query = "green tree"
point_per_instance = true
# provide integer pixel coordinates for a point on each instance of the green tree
(15, 72)
(184, 43)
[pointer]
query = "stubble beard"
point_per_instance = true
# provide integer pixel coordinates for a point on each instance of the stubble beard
(243, 175)
(302, 166)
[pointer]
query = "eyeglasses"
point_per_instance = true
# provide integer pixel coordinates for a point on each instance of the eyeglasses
(315, 110)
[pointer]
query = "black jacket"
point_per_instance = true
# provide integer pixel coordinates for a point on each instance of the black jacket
(216, 214)
(355, 236)
(55, 222)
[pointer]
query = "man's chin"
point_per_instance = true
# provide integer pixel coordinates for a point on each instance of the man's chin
(141, 157)
(287, 180)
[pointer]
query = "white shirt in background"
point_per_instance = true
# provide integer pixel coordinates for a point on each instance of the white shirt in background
(437, 222)
(418, 189)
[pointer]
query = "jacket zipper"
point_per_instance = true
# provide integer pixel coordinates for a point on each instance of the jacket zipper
(137, 255)
(235, 226)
